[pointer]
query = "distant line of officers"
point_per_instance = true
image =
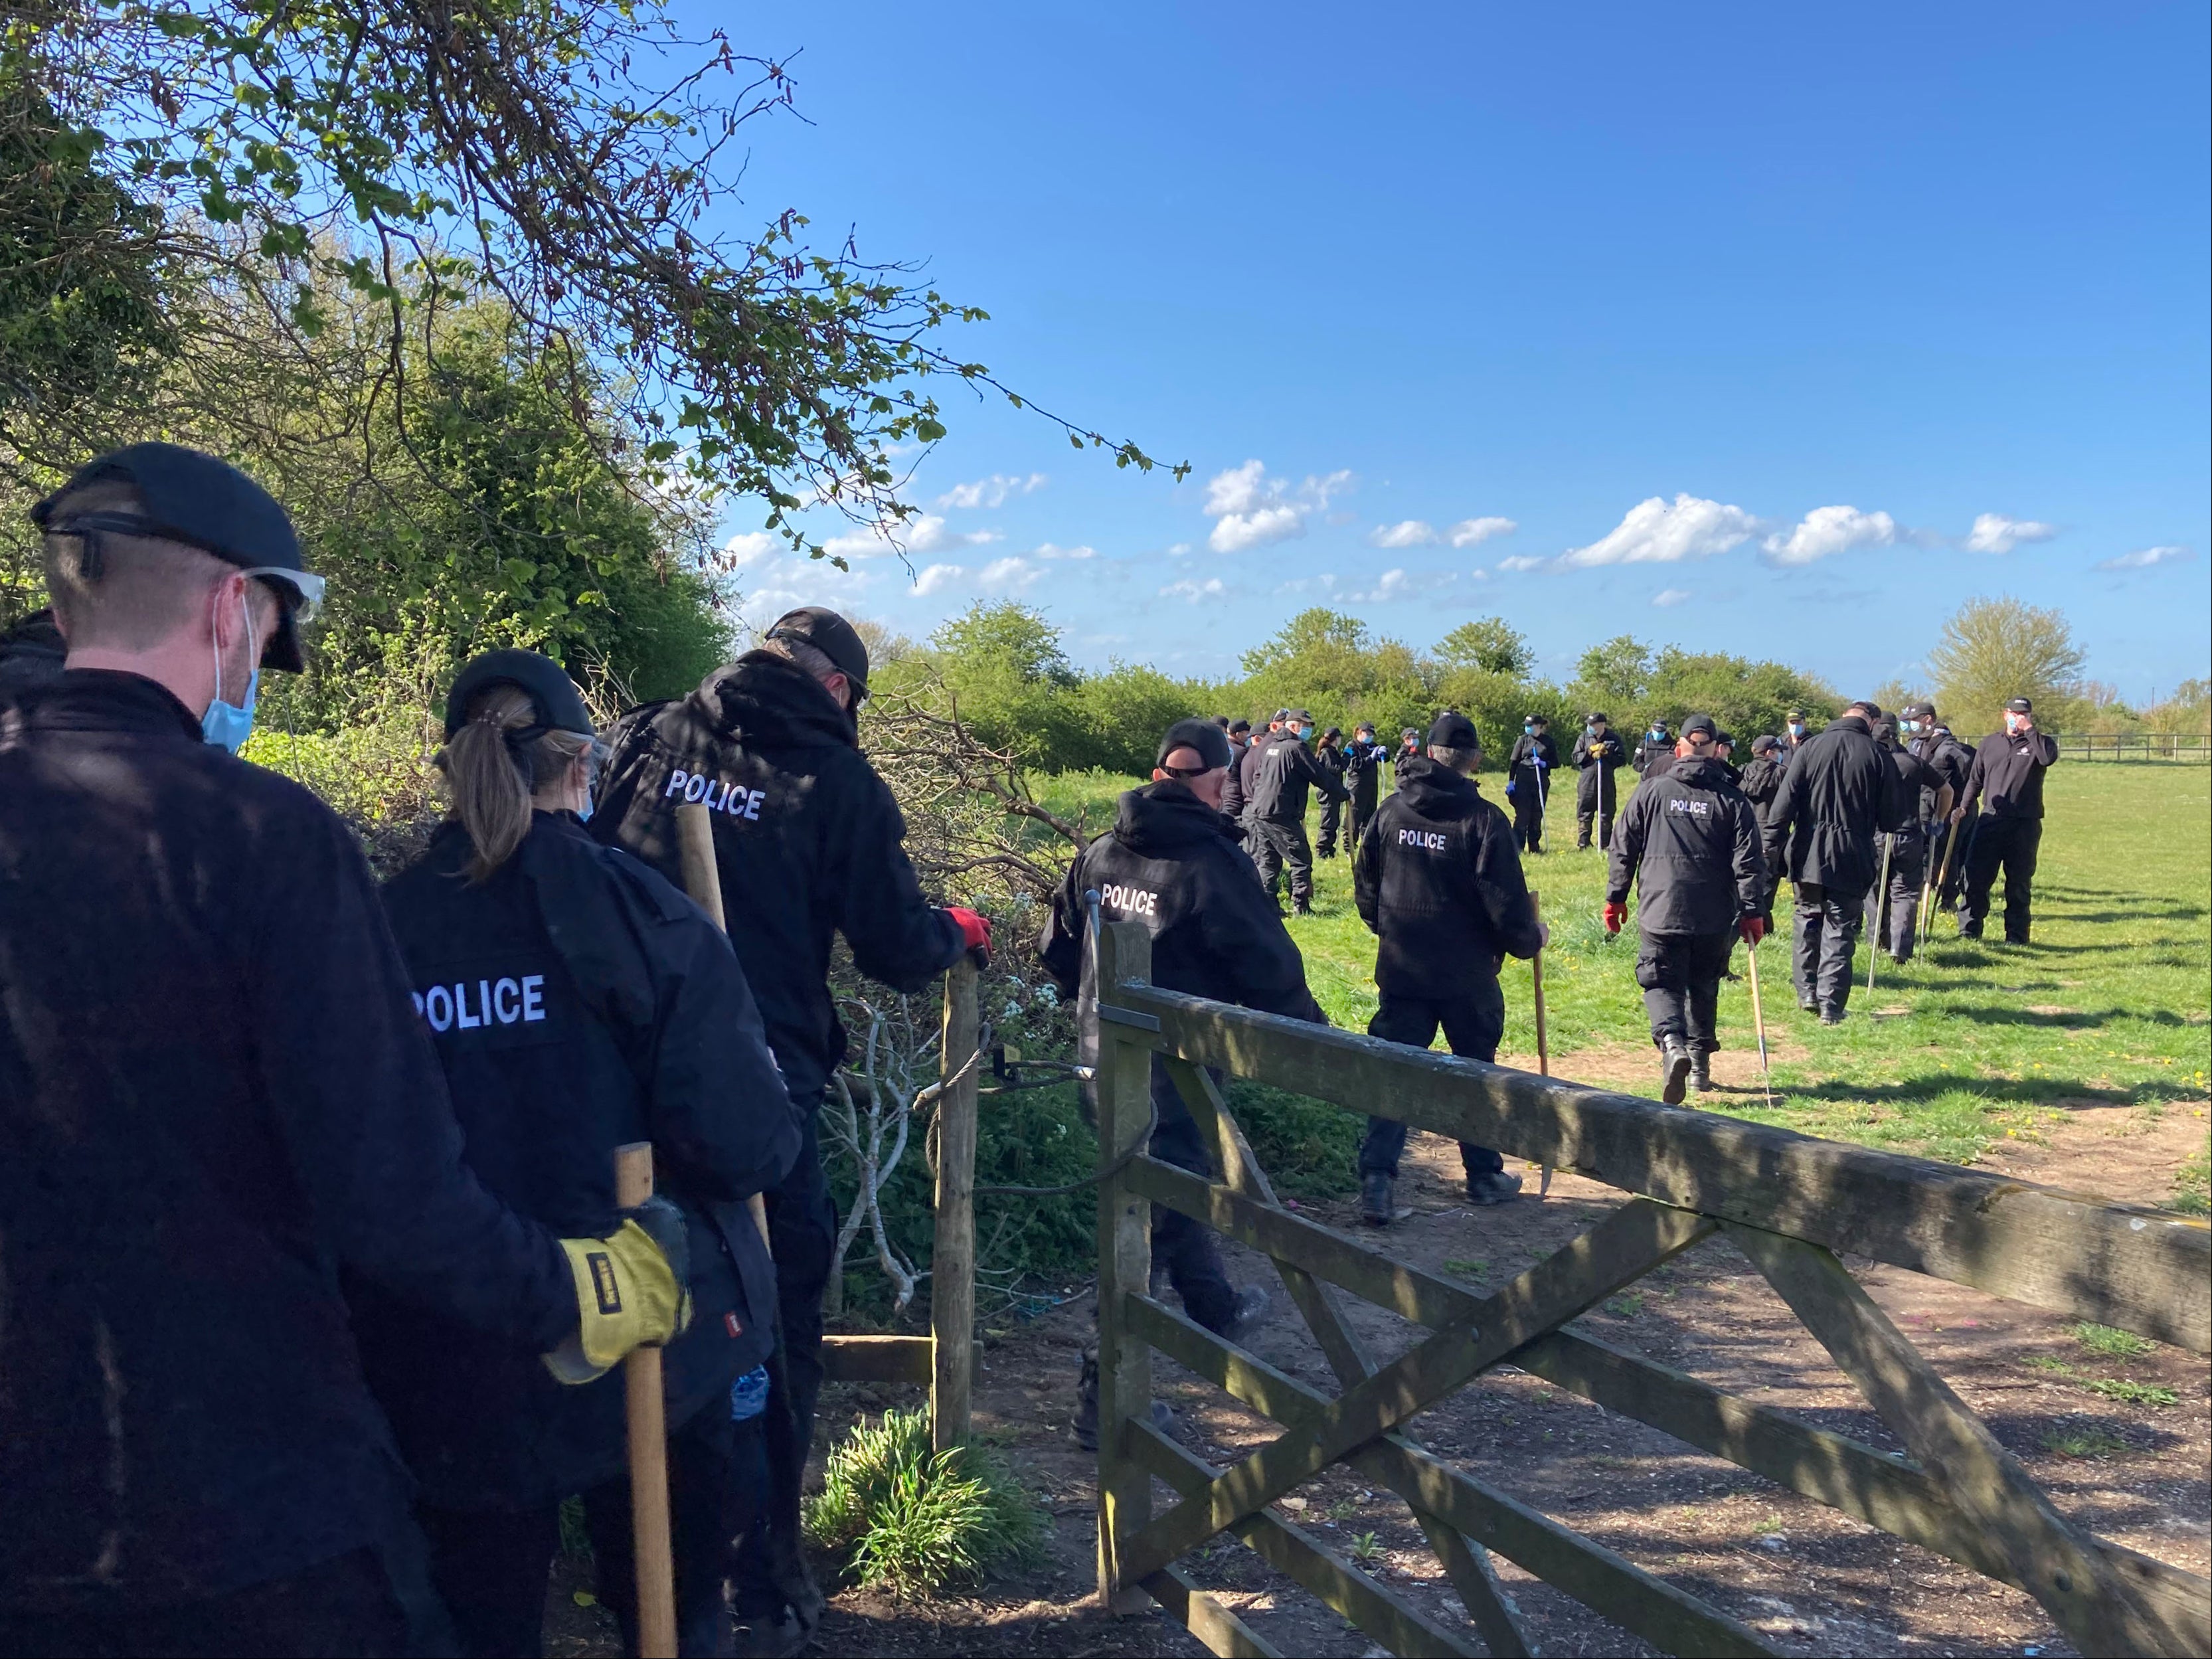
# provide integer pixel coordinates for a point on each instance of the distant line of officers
(312, 1274)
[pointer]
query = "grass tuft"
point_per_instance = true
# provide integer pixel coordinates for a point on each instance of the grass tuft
(914, 1521)
(2083, 1443)
(2133, 1394)
(2109, 1344)
(2192, 1183)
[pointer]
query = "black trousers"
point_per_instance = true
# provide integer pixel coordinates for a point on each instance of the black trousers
(344, 1609)
(1331, 820)
(1527, 816)
(1827, 932)
(1186, 1248)
(1473, 1025)
(1893, 914)
(2009, 846)
(1586, 811)
(802, 1227)
(1363, 808)
(1680, 974)
(1276, 845)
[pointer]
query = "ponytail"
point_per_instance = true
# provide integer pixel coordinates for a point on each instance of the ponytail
(492, 779)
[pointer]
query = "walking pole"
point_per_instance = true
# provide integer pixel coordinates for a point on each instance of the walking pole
(1543, 1042)
(1935, 902)
(1758, 1024)
(1881, 905)
(648, 1450)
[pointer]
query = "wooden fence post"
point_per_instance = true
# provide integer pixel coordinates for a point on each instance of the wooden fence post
(953, 1265)
(1125, 1266)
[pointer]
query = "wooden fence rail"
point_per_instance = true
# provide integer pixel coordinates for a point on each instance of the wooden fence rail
(1789, 1202)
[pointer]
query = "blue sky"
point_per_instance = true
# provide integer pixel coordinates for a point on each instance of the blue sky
(1751, 328)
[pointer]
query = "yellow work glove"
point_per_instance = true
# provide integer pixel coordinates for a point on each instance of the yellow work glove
(631, 1291)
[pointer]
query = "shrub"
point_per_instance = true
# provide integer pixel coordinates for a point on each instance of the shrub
(914, 1521)
(1309, 1148)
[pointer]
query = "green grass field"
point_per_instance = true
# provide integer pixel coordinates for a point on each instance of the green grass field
(1973, 1041)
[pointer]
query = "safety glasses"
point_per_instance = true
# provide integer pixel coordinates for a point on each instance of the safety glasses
(304, 587)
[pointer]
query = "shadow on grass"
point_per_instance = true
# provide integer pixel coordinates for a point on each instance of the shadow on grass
(1997, 1013)
(2070, 1092)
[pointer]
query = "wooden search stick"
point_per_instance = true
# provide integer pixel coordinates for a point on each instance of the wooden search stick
(648, 1450)
(703, 879)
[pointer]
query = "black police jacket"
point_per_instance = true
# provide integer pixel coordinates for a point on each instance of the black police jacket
(215, 1092)
(1437, 878)
(1918, 781)
(1521, 763)
(1762, 782)
(579, 1003)
(1950, 760)
(31, 654)
(1659, 752)
(1594, 760)
(1840, 791)
(1248, 771)
(1233, 786)
(2006, 778)
(1362, 771)
(807, 838)
(1690, 840)
(1174, 863)
(1287, 773)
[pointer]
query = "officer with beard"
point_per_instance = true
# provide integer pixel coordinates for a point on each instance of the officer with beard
(1437, 880)
(1171, 863)
(1363, 775)
(1692, 841)
(1596, 755)
(808, 845)
(1529, 769)
(1894, 911)
(1933, 743)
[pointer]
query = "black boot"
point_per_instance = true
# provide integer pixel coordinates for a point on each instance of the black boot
(1673, 1071)
(1495, 1187)
(1378, 1200)
(1084, 1427)
(1701, 1071)
(1301, 907)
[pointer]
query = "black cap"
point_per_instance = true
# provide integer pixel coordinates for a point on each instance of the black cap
(1693, 726)
(1884, 730)
(1363, 726)
(1302, 716)
(204, 502)
(553, 694)
(1599, 714)
(1535, 720)
(1659, 723)
(1765, 744)
(1203, 736)
(829, 633)
(1222, 720)
(1334, 731)
(1239, 728)
(1796, 714)
(1724, 739)
(1920, 711)
(1409, 732)
(1281, 714)
(1451, 730)
(2019, 705)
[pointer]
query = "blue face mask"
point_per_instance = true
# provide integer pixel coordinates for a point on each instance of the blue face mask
(228, 724)
(1530, 729)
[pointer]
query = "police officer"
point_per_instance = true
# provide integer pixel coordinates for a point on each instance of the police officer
(2006, 782)
(219, 1092)
(1839, 792)
(579, 1003)
(1171, 863)
(1794, 733)
(1438, 882)
(1894, 910)
(1329, 754)
(1657, 749)
(1409, 748)
(1933, 743)
(1596, 755)
(1232, 790)
(1247, 774)
(1762, 776)
(809, 844)
(1724, 752)
(1691, 841)
(1287, 773)
(1363, 761)
(1529, 769)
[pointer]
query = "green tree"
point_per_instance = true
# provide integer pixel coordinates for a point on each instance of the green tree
(1329, 664)
(1125, 710)
(1489, 644)
(1012, 683)
(1615, 677)
(1746, 697)
(1995, 649)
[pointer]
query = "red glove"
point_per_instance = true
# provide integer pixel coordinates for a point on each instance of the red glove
(1751, 929)
(974, 931)
(1614, 915)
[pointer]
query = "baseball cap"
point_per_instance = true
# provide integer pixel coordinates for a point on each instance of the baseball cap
(1599, 714)
(2019, 705)
(829, 633)
(1695, 724)
(1765, 744)
(552, 694)
(206, 503)
(1920, 711)
(1281, 714)
(1452, 730)
(1300, 715)
(1535, 720)
(1334, 731)
(1203, 736)
(1239, 728)
(1409, 732)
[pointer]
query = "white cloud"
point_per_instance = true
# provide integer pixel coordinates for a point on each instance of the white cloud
(1993, 532)
(1410, 532)
(928, 533)
(1394, 584)
(991, 491)
(1520, 562)
(1666, 599)
(1179, 550)
(1471, 533)
(1827, 529)
(936, 578)
(1009, 575)
(2144, 559)
(751, 546)
(1212, 588)
(1047, 551)
(1654, 532)
(1250, 509)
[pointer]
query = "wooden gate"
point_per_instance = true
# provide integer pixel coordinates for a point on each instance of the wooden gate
(1788, 1201)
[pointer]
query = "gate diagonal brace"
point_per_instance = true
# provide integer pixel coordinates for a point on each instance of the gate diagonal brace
(2054, 1563)
(1465, 1562)
(1631, 1241)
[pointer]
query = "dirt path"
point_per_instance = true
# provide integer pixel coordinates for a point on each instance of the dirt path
(1809, 1580)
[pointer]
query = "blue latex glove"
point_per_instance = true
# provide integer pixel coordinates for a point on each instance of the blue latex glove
(1508, 788)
